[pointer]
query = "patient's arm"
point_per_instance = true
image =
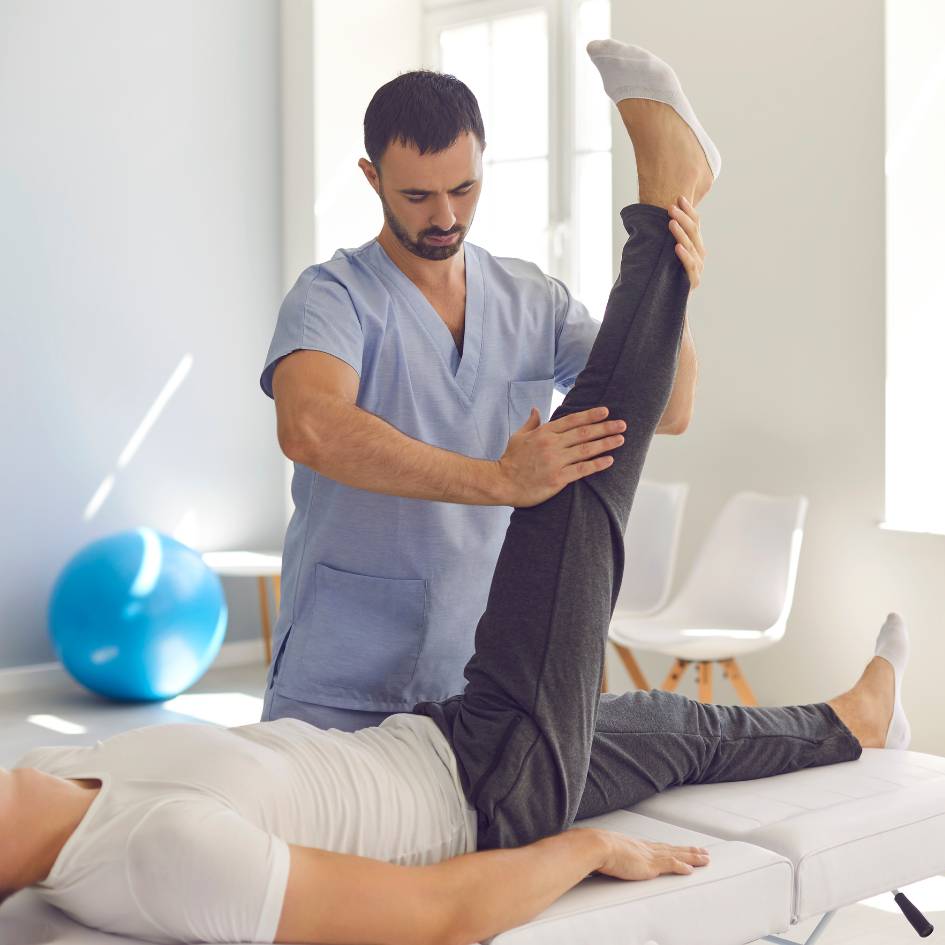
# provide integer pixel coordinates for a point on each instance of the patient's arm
(349, 900)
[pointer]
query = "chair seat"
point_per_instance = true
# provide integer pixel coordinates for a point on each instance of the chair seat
(659, 635)
(852, 830)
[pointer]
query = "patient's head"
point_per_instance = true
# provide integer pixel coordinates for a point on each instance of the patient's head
(7, 826)
(31, 811)
(38, 814)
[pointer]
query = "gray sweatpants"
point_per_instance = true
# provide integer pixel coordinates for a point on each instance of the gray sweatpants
(536, 744)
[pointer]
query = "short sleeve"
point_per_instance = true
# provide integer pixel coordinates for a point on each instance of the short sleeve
(200, 872)
(575, 332)
(318, 315)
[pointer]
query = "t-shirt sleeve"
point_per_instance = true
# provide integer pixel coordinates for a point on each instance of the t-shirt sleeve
(318, 314)
(200, 872)
(575, 332)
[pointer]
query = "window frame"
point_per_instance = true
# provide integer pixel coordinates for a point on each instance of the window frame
(443, 14)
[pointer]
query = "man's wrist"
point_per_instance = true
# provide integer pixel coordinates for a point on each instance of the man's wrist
(499, 487)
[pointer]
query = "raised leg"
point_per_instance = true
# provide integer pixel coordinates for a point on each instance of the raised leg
(523, 728)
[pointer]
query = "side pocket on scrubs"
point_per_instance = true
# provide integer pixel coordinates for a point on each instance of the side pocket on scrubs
(523, 395)
(364, 635)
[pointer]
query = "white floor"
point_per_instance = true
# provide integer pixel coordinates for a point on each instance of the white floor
(233, 696)
(74, 716)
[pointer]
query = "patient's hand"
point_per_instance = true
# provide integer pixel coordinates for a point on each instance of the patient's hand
(629, 858)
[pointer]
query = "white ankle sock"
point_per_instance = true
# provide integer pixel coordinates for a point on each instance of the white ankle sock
(892, 644)
(634, 72)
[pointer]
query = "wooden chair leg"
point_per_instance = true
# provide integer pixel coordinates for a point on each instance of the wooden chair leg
(603, 680)
(675, 674)
(704, 671)
(636, 674)
(739, 683)
(277, 591)
(264, 612)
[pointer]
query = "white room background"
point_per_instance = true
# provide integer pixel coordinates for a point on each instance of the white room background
(169, 169)
(140, 264)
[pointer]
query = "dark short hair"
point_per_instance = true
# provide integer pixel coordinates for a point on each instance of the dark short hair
(427, 109)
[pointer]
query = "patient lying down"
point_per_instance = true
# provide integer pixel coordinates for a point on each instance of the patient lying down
(282, 832)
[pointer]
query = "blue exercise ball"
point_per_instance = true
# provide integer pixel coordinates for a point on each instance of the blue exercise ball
(137, 616)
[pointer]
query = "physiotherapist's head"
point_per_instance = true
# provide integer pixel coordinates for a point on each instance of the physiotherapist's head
(424, 136)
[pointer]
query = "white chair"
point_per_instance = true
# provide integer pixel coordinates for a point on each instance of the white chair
(735, 600)
(651, 540)
(652, 537)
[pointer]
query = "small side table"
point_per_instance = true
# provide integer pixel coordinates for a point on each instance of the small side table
(258, 564)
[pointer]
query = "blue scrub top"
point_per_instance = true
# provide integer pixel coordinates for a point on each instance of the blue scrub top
(381, 594)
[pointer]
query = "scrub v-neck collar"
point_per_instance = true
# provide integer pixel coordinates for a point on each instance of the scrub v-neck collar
(467, 369)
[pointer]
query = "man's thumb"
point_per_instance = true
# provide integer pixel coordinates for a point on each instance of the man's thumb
(533, 421)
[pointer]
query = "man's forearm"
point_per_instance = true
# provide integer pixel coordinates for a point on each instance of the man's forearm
(500, 889)
(366, 452)
(678, 410)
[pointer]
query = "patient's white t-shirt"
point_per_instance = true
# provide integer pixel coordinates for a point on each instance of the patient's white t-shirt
(187, 840)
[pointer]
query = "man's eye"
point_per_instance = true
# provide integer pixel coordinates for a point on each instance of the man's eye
(417, 199)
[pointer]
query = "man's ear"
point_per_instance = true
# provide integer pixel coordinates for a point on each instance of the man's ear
(370, 172)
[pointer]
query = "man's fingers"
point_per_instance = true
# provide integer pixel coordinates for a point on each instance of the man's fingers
(586, 450)
(579, 470)
(591, 434)
(687, 217)
(533, 421)
(572, 420)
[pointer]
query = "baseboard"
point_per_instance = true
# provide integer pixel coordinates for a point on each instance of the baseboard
(45, 676)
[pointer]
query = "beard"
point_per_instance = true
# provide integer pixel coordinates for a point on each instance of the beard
(420, 247)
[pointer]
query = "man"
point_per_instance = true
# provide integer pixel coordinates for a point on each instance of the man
(410, 376)
(171, 833)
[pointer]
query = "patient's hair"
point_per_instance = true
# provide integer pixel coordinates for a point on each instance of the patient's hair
(427, 109)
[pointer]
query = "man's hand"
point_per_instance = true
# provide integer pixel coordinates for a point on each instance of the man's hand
(541, 459)
(690, 250)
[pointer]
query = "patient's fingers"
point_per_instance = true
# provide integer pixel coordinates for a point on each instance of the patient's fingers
(666, 846)
(693, 856)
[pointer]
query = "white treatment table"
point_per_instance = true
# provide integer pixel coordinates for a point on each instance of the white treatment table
(783, 849)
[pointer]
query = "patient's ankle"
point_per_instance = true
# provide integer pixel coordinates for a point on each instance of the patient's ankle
(859, 715)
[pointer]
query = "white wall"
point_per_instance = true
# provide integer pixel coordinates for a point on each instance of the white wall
(789, 324)
(140, 181)
(358, 48)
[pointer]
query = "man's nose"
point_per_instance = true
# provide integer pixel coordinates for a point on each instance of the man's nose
(443, 216)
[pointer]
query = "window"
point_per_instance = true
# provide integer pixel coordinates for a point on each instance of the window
(546, 193)
(915, 293)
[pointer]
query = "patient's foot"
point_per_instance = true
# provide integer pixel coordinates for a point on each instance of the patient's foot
(673, 152)
(872, 709)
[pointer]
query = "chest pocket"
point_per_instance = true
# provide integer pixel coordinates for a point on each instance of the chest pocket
(523, 395)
